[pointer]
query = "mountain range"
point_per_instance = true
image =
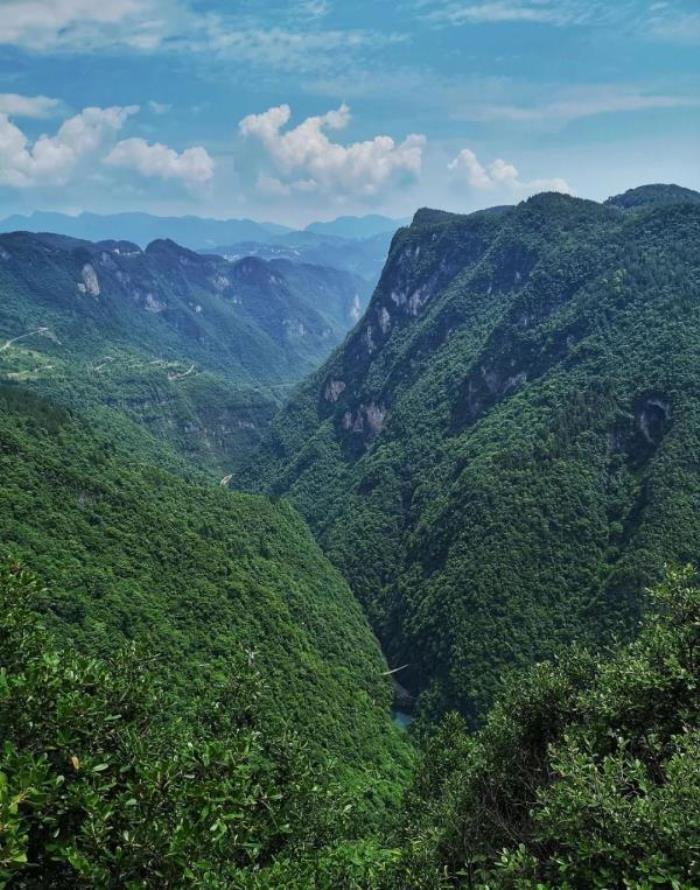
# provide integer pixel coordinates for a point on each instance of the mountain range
(469, 499)
(499, 456)
(198, 348)
(195, 232)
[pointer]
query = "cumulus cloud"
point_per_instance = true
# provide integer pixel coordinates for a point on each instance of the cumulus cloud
(305, 158)
(14, 105)
(51, 160)
(500, 174)
(193, 166)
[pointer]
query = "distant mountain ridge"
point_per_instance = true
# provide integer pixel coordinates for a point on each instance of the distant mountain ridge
(194, 232)
(190, 231)
(357, 226)
(352, 244)
(198, 348)
(361, 256)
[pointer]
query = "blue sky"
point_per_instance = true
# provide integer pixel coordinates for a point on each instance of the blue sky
(309, 109)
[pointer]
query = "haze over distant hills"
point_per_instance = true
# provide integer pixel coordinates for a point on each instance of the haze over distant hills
(357, 226)
(197, 348)
(356, 244)
(194, 232)
(190, 231)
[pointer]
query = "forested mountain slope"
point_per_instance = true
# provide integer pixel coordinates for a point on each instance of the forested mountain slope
(586, 773)
(203, 579)
(199, 349)
(503, 451)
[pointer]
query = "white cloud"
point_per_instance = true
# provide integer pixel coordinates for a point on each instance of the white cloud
(315, 8)
(179, 26)
(580, 103)
(500, 175)
(193, 166)
(275, 188)
(556, 13)
(285, 49)
(52, 159)
(304, 158)
(670, 25)
(496, 12)
(40, 24)
(14, 105)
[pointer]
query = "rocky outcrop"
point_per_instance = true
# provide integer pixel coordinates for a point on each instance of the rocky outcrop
(90, 283)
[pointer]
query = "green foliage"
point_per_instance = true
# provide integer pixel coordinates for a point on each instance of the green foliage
(500, 457)
(198, 349)
(105, 783)
(586, 773)
(198, 576)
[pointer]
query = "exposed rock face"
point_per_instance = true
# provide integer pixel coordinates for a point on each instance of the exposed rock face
(91, 284)
(366, 422)
(151, 304)
(334, 388)
(384, 320)
(220, 282)
(375, 418)
(654, 413)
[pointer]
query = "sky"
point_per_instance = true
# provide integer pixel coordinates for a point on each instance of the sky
(295, 110)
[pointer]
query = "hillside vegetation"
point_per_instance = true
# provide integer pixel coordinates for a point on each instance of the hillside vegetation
(199, 577)
(198, 349)
(499, 459)
(502, 454)
(585, 775)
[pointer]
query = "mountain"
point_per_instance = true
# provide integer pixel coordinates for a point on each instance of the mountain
(654, 195)
(500, 456)
(194, 232)
(201, 660)
(338, 295)
(198, 348)
(364, 257)
(359, 227)
(585, 774)
(134, 552)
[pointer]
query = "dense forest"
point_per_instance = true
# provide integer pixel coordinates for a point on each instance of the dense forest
(501, 456)
(197, 576)
(498, 467)
(585, 775)
(198, 349)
